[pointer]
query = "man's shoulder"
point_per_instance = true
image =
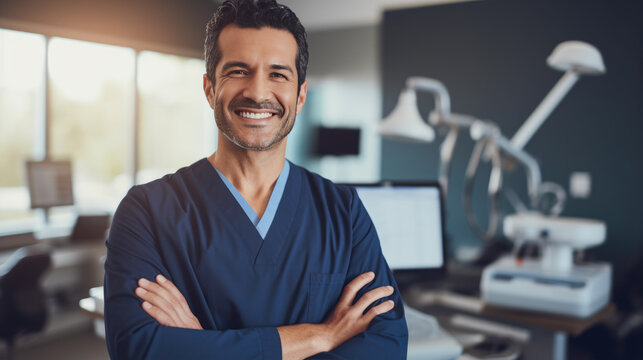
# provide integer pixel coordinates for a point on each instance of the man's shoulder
(177, 184)
(163, 202)
(318, 184)
(178, 177)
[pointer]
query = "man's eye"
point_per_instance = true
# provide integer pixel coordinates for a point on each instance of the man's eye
(278, 75)
(237, 72)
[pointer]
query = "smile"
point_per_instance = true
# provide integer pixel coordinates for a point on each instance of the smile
(253, 115)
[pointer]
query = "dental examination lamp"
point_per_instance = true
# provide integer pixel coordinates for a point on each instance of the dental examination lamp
(575, 58)
(553, 283)
(405, 122)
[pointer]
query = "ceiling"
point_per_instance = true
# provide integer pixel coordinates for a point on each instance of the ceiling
(329, 14)
(317, 15)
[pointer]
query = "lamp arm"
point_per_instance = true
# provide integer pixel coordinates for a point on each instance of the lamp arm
(454, 122)
(446, 155)
(439, 91)
(495, 183)
(480, 129)
(442, 115)
(459, 120)
(540, 114)
(534, 179)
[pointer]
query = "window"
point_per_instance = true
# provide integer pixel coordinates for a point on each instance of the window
(91, 89)
(22, 64)
(176, 123)
(96, 96)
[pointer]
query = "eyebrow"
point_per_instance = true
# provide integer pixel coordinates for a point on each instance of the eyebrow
(241, 64)
(282, 67)
(233, 64)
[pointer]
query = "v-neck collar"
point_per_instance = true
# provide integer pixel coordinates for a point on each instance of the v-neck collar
(261, 224)
(261, 252)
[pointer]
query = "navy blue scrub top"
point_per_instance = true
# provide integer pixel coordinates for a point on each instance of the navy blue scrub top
(262, 224)
(189, 227)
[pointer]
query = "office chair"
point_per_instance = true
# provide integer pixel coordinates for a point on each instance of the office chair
(22, 300)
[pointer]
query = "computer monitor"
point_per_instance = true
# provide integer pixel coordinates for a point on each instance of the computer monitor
(409, 219)
(49, 184)
(337, 141)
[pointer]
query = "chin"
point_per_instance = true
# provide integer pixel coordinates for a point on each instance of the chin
(254, 144)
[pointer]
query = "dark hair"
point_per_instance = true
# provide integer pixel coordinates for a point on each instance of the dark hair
(254, 14)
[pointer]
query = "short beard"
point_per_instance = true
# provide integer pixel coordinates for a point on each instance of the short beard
(227, 130)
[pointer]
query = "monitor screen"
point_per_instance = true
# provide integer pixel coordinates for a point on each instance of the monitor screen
(49, 183)
(408, 220)
(337, 141)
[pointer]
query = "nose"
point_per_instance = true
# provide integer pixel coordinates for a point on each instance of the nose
(257, 88)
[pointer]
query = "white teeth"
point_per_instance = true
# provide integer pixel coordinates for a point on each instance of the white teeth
(252, 115)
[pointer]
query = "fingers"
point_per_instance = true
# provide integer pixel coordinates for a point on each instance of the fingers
(372, 296)
(348, 319)
(382, 308)
(156, 296)
(176, 294)
(165, 303)
(158, 314)
(351, 289)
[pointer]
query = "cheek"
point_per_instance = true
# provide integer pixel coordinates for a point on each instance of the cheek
(221, 90)
(219, 99)
(287, 96)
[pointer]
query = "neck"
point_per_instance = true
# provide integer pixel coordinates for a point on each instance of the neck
(252, 172)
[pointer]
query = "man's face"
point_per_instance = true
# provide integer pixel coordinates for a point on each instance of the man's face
(254, 95)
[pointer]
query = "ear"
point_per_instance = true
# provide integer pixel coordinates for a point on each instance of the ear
(301, 98)
(208, 88)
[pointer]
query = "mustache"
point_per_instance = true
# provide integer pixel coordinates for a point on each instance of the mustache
(249, 103)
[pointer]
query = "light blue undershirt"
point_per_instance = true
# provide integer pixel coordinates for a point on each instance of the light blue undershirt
(262, 224)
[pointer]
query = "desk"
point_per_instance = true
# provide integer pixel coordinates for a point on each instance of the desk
(68, 255)
(558, 326)
(89, 308)
(76, 267)
(565, 324)
(93, 307)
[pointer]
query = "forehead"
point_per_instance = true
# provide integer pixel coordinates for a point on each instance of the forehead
(265, 45)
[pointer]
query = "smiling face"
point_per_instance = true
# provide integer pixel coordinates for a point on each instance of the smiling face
(254, 95)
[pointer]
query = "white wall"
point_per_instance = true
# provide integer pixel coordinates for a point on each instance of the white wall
(344, 91)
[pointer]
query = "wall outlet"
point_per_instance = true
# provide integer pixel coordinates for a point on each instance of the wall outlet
(580, 185)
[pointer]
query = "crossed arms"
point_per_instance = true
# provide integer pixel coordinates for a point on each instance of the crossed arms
(163, 301)
(169, 328)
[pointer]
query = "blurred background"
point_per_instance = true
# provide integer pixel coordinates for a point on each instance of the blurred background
(114, 88)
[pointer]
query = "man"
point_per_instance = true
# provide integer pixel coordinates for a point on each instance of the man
(244, 255)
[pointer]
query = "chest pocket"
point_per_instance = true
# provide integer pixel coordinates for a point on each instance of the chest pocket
(323, 295)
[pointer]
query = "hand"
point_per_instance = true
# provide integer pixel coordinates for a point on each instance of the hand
(348, 320)
(164, 302)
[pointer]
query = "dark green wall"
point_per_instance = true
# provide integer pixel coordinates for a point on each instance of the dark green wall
(491, 56)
